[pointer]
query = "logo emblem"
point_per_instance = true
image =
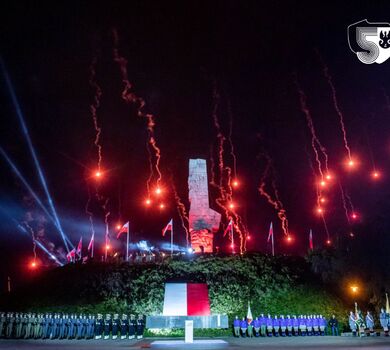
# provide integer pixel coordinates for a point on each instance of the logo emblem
(370, 41)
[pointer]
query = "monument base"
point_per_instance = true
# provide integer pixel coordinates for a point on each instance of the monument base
(169, 322)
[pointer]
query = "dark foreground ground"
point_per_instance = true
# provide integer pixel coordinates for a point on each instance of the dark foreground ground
(231, 343)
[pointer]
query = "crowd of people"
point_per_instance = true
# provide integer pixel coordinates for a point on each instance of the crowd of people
(70, 326)
(268, 326)
(366, 325)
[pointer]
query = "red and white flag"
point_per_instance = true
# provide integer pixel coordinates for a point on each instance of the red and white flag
(271, 233)
(229, 227)
(91, 242)
(124, 229)
(186, 299)
(168, 227)
(71, 255)
(311, 245)
(79, 246)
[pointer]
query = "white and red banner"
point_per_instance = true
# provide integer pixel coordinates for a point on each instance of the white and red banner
(124, 229)
(186, 299)
(169, 227)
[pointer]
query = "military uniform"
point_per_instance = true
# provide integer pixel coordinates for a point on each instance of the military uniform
(132, 327)
(140, 327)
(99, 326)
(244, 327)
(115, 326)
(256, 326)
(10, 325)
(124, 327)
(295, 325)
(90, 327)
(107, 326)
(352, 323)
(263, 325)
(79, 327)
(289, 325)
(370, 323)
(3, 320)
(283, 325)
(384, 322)
(269, 323)
(302, 325)
(276, 325)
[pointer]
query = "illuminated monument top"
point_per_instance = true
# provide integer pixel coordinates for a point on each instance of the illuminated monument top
(203, 220)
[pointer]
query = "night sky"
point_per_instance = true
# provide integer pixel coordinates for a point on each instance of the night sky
(254, 51)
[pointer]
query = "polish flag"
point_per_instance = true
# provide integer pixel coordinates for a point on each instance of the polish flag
(271, 232)
(124, 229)
(71, 255)
(90, 245)
(186, 299)
(168, 227)
(79, 246)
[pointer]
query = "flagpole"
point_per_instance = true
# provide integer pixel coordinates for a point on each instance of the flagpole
(127, 245)
(232, 233)
(172, 239)
(93, 243)
(272, 242)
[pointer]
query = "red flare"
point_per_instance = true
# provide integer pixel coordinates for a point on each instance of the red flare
(235, 183)
(107, 247)
(231, 205)
(322, 183)
(322, 200)
(328, 242)
(33, 264)
(118, 226)
(320, 210)
(162, 206)
(375, 175)
(354, 216)
(148, 202)
(158, 191)
(98, 174)
(289, 239)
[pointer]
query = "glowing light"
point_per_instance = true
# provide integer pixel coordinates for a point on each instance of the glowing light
(328, 177)
(323, 183)
(231, 205)
(163, 254)
(232, 245)
(351, 163)
(328, 242)
(322, 200)
(118, 227)
(33, 264)
(354, 216)
(248, 238)
(116, 254)
(98, 174)
(289, 238)
(354, 288)
(375, 175)
(351, 234)
(190, 250)
(158, 191)
(162, 206)
(235, 183)
(320, 210)
(108, 247)
(148, 202)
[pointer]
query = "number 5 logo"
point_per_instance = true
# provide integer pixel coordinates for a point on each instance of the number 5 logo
(369, 41)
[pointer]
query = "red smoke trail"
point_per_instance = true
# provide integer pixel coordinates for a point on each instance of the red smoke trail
(344, 203)
(181, 209)
(326, 227)
(328, 77)
(88, 212)
(33, 239)
(225, 190)
(314, 139)
(131, 98)
(230, 140)
(275, 202)
(94, 107)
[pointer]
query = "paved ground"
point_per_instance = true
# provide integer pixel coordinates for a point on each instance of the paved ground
(307, 343)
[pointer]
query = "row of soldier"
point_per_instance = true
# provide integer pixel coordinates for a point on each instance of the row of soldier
(65, 326)
(280, 326)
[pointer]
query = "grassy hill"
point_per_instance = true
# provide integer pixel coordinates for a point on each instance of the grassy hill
(282, 285)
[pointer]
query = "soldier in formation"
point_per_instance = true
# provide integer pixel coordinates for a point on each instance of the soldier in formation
(284, 326)
(70, 326)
